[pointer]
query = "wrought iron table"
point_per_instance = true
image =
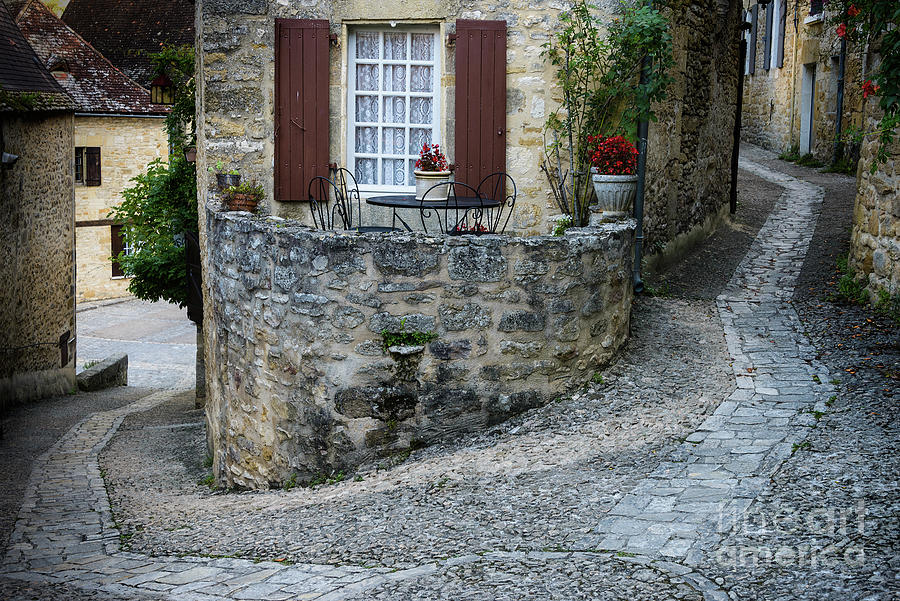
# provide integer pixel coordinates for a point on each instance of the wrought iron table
(409, 201)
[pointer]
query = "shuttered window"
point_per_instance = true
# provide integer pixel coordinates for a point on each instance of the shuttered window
(480, 99)
(301, 111)
(754, 32)
(393, 105)
(92, 166)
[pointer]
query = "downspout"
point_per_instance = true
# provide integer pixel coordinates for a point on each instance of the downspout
(736, 146)
(838, 151)
(643, 128)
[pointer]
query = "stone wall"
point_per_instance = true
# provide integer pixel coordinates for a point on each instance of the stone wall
(875, 237)
(688, 161)
(299, 379)
(36, 243)
(688, 152)
(773, 97)
(127, 145)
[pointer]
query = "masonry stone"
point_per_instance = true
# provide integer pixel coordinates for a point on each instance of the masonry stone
(307, 360)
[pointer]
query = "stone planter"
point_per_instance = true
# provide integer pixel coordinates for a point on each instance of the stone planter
(227, 179)
(426, 179)
(615, 194)
(242, 202)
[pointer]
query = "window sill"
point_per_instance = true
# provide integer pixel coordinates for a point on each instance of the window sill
(814, 19)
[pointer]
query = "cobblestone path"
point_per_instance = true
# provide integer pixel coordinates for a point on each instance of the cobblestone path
(657, 535)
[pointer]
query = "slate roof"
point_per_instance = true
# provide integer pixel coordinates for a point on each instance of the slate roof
(128, 31)
(22, 73)
(88, 77)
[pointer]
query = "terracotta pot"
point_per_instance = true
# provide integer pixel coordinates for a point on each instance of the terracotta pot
(615, 194)
(242, 202)
(426, 179)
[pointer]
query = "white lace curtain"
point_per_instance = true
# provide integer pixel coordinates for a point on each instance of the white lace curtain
(394, 104)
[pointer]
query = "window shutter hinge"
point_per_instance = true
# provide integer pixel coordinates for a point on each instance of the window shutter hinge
(334, 40)
(451, 39)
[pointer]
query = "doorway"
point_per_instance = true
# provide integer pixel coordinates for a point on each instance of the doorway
(807, 107)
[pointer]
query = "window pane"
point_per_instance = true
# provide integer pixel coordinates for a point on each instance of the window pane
(394, 78)
(365, 171)
(393, 172)
(422, 47)
(367, 77)
(367, 45)
(394, 109)
(367, 140)
(394, 141)
(395, 46)
(420, 110)
(421, 78)
(367, 109)
(418, 137)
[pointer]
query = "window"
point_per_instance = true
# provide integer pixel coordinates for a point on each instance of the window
(87, 165)
(79, 165)
(815, 7)
(118, 244)
(776, 39)
(748, 19)
(393, 104)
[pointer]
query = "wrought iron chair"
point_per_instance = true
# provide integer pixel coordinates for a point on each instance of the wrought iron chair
(500, 187)
(460, 212)
(327, 204)
(345, 182)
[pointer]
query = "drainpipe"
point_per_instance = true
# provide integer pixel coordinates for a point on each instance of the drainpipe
(736, 144)
(643, 128)
(838, 151)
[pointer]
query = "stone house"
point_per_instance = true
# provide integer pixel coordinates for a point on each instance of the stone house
(37, 226)
(293, 318)
(791, 78)
(118, 131)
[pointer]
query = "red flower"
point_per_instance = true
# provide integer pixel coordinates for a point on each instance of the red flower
(852, 11)
(869, 88)
(613, 155)
(431, 158)
(842, 30)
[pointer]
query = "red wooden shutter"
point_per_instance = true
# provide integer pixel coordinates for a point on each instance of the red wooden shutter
(301, 111)
(92, 166)
(480, 99)
(116, 245)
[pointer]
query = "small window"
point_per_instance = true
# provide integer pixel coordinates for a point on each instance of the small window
(79, 164)
(118, 245)
(815, 7)
(394, 92)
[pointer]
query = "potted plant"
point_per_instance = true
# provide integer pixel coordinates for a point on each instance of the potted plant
(613, 165)
(243, 197)
(225, 179)
(432, 168)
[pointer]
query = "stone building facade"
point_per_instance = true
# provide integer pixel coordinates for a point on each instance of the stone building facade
(118, 131)
(239, 112)
(127, 144)
(37, 227)
(791, 80)
(688, 177)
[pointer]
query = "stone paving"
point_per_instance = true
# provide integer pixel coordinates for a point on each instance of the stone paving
(664, 528)
(160, 340)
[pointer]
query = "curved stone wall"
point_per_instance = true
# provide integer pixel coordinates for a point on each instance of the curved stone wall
(301, 383)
